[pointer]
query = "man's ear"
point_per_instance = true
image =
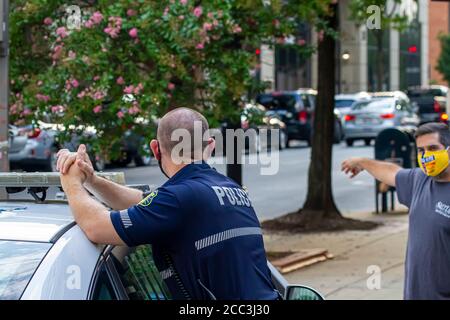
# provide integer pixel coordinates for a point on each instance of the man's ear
(209, 148)
(155, 149)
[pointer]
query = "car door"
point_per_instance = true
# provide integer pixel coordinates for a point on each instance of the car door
(137, 273)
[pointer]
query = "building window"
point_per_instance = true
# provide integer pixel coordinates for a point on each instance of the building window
(410, 48)
(293, 70)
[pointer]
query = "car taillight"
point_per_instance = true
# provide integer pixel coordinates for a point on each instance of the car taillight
(34, 133)
(436, 106)
(349, 117)
(303, 116)
(444, 117)
(387, 116)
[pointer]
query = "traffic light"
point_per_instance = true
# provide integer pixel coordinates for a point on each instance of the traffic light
(412, 49)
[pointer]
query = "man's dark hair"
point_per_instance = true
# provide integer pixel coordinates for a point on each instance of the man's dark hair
(435, 127)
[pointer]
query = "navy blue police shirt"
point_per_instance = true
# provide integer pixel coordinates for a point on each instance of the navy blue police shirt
(206, 238)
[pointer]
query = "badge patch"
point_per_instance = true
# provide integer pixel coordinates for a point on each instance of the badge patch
(148, 200)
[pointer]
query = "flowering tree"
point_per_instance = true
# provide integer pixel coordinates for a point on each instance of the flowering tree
(117, 65)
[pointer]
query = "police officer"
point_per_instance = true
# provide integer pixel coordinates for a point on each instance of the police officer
(426, 191)
(206, 238)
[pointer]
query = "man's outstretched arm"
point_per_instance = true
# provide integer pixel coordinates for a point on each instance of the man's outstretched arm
(380, 170)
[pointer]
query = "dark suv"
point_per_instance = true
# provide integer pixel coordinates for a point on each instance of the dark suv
(430, 101)
(296, 110)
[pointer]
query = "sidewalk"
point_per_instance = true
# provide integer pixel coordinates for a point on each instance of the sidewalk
(345, 276)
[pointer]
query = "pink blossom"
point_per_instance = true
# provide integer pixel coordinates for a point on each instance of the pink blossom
(131, 12)
(120, 81)
(48, 21)
(56, 109)
(237, 29)
(181, 17)
(166, 11)
(128, 89)
(210, 15)
(184, 2)
(198, 11)
(134, 110)
(98, 95)
(89, 24)
(74, 83)
(39, 83)
(96, 17)
(96, 78)
(26, 112)
(301, 42)
(215, 23)
(72, 55)
(120, 114)
(220, 13)
(133, 33)
(62, 32)
(97, 109)
(171, 86)
(138, 89)
(81, 94)
(207, 26)
(42, 97)
(200, 46)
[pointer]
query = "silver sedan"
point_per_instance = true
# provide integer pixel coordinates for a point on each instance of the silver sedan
(368, 118)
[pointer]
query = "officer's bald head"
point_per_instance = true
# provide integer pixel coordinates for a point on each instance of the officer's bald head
(185, 119)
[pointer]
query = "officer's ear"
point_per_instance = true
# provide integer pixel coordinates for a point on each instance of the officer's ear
(154, 145)
(209, 148)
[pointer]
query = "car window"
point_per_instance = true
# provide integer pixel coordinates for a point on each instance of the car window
(343, 103)
(103, 288)
(278, 101)
(376, 105)
(18, 262)
(306, 102)
(139, 274)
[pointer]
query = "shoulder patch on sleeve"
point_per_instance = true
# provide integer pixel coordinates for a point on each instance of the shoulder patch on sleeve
(148, 200)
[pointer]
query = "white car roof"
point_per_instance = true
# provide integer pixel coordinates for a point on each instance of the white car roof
(30, 221)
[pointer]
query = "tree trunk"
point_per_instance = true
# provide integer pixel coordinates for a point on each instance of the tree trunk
(319, 202)
(380, 61)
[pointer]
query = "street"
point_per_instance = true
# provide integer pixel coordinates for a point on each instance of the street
(275, 195)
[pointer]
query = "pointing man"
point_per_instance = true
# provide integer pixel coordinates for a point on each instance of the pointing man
(426, 191)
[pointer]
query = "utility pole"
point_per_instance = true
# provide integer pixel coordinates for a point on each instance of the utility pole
(4, 90)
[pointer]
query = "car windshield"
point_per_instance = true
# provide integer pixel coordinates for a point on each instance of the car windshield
(282, 101)
(343, 103)
(18, 262)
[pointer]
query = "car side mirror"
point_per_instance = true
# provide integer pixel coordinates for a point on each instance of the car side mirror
(297, 292)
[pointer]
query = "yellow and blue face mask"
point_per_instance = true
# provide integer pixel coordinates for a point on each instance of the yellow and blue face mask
(433, 163)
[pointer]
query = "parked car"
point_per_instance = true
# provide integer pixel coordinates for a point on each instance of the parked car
(430, 101)
(368, 118)
(34, 148)
(46, 256)
(256, 116)
(296, 110)
(343, 102)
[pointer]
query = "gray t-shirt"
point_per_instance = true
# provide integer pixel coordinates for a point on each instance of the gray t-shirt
(427, 267)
